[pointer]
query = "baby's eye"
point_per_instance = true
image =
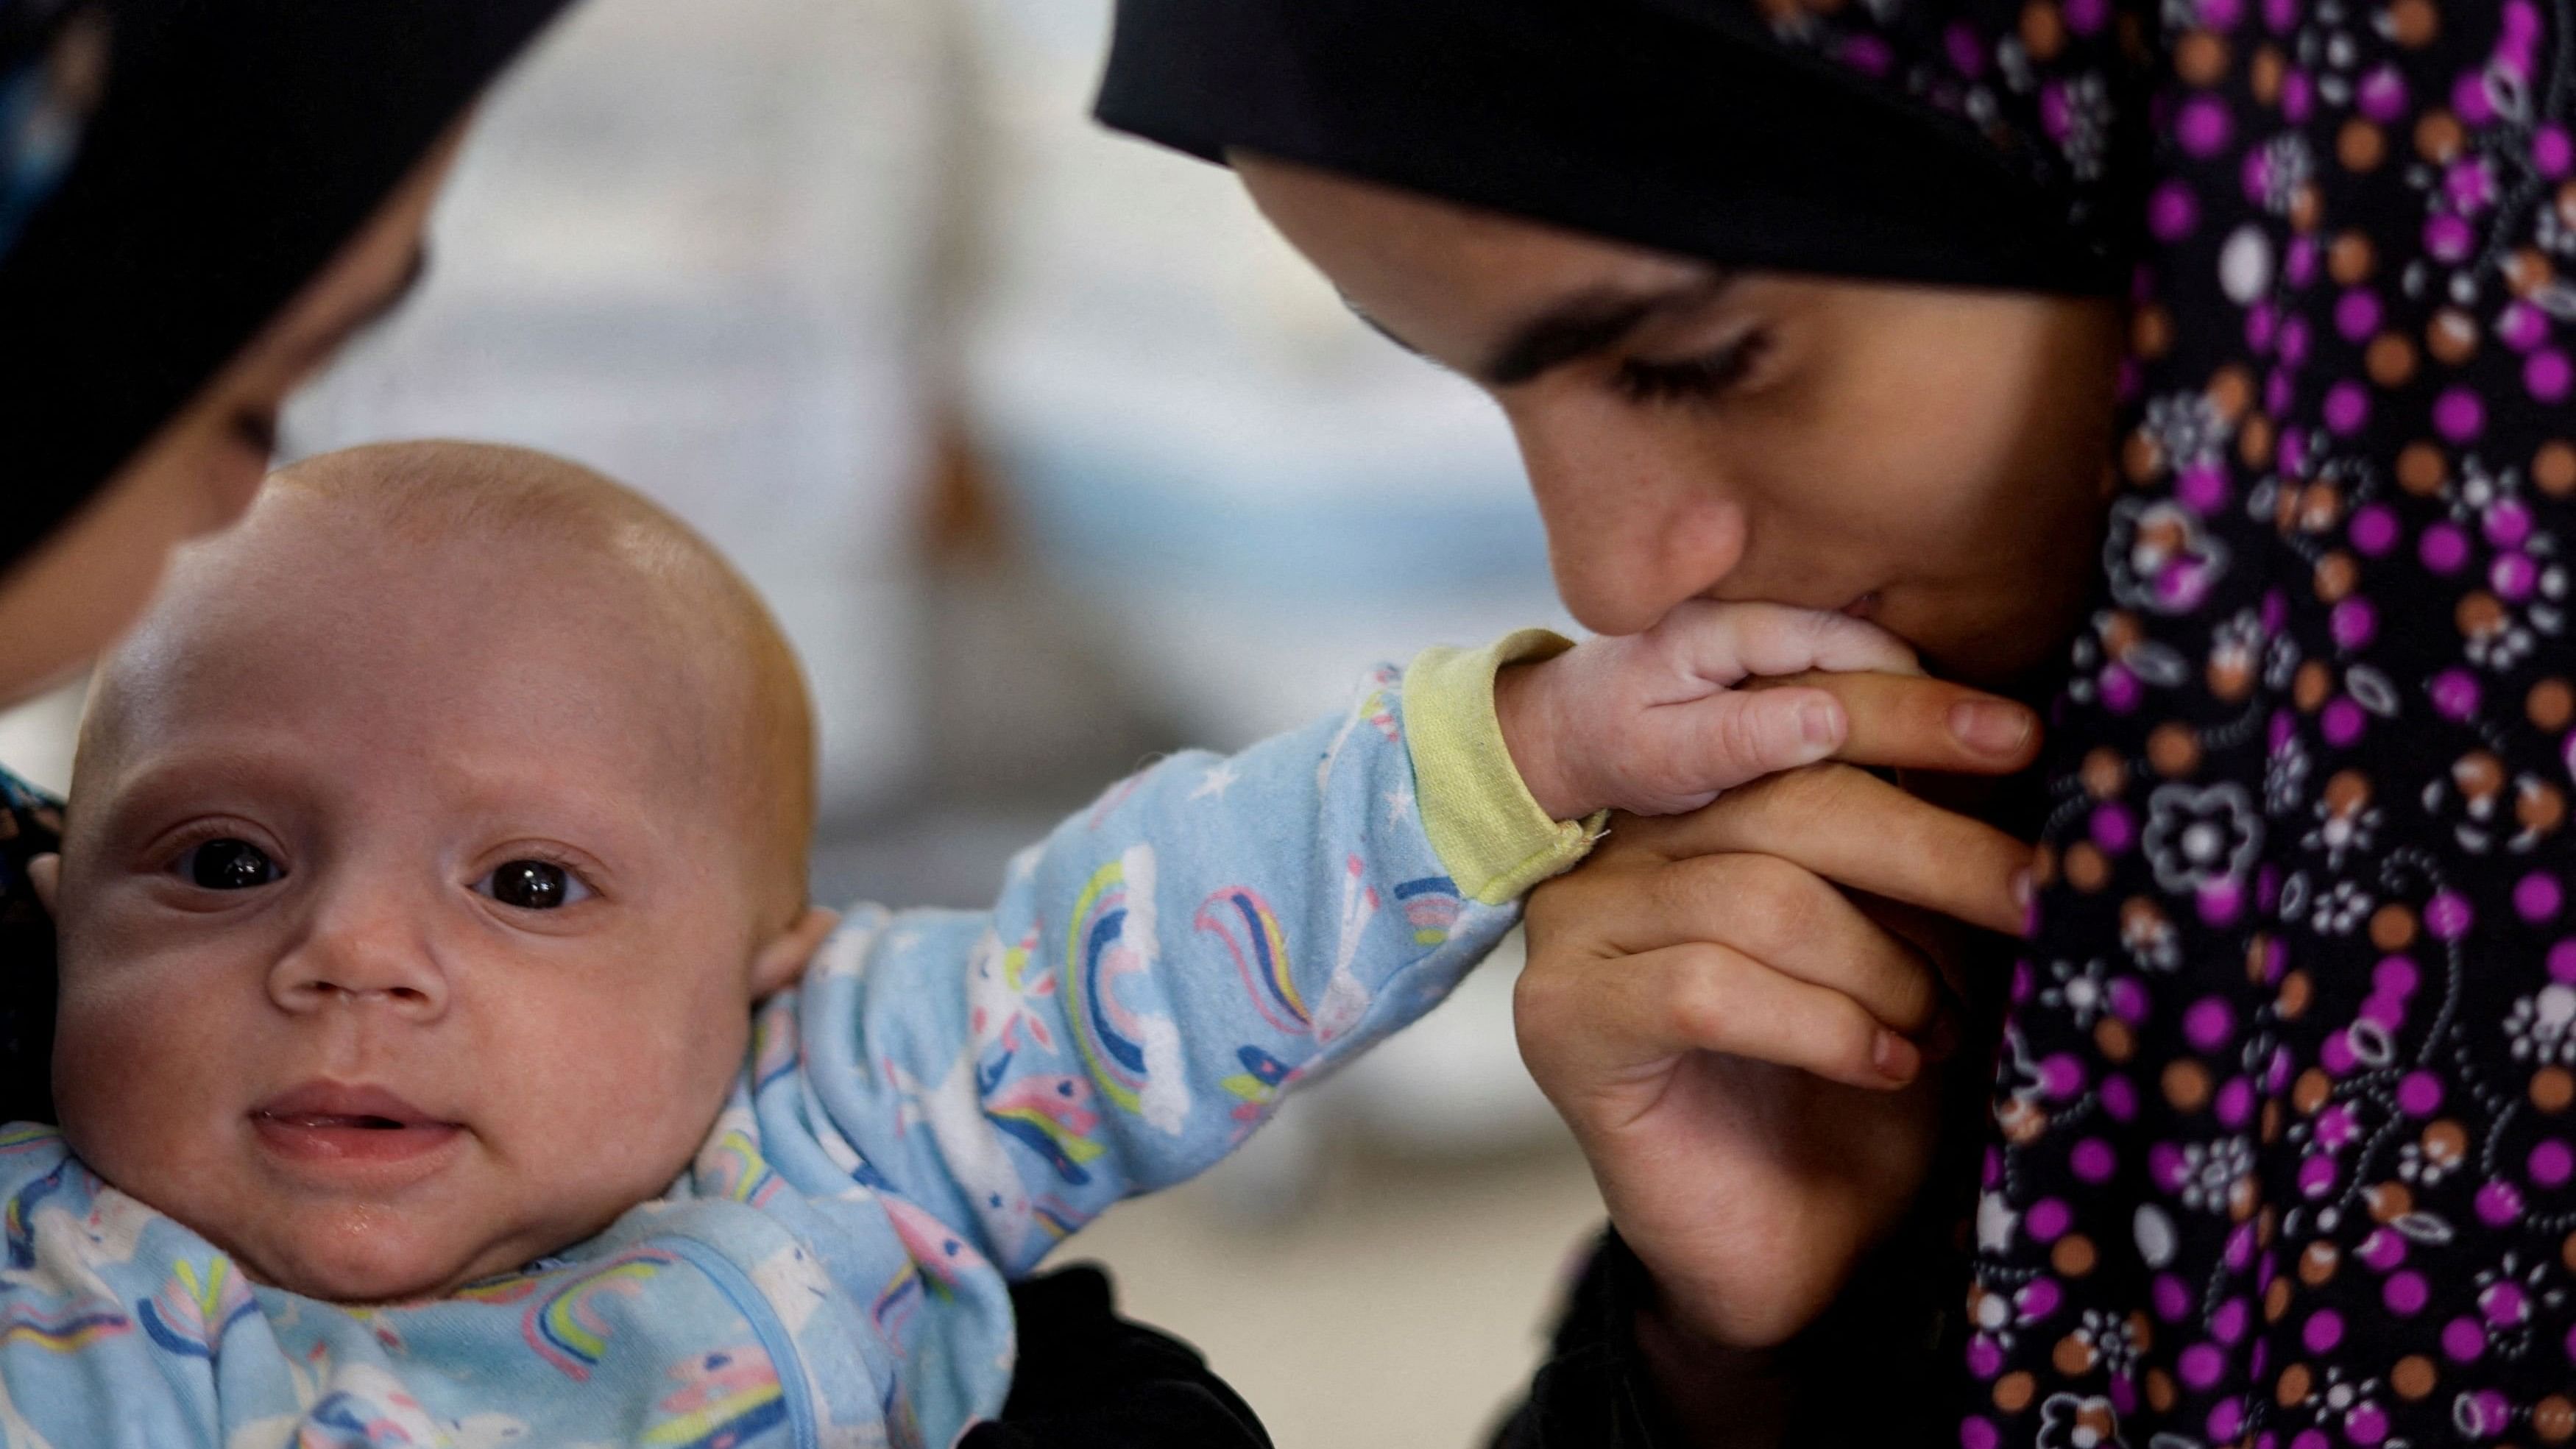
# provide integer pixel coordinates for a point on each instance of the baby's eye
(533, 885)
(226, 865)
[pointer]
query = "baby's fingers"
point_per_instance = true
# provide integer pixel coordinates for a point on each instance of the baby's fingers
(1723, 643)
(1714, 744)
(1718, 1000)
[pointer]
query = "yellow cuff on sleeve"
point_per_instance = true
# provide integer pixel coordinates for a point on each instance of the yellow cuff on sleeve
(1490, 833)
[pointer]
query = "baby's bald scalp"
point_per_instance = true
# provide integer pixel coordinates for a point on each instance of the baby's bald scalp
(712, 621)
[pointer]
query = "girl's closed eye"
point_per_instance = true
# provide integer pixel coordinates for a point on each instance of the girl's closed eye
(530, 884)
(1703, 378)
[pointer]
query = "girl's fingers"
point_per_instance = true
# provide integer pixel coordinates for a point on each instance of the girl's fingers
(1724, 643)
(1908, 723)
(1640, 1010)
(1860, 831)
(1768, 910)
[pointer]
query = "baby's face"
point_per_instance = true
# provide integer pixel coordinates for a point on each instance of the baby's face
(1931, 459)
(406, 935)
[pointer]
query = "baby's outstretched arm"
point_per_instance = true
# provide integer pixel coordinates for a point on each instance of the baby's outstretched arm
(1215, 931)
(1207, 936)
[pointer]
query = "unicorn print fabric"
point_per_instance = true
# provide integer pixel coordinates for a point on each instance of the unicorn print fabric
(946, 1096)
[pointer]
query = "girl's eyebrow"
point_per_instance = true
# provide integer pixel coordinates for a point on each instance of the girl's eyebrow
(1577, 326)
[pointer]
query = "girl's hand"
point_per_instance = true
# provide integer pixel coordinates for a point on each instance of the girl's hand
(1737, 1045)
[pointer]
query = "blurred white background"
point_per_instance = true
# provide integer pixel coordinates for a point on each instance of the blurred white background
(1050, 457)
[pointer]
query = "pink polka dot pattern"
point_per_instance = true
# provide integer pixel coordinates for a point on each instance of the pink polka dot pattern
(2293, 1064)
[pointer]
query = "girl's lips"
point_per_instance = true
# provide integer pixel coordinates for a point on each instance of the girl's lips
(327, 1123)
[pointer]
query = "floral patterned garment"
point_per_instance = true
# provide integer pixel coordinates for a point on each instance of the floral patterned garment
(2285, 1121)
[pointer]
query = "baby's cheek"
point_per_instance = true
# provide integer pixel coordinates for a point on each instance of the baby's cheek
(138, 1081)
(633, 1088)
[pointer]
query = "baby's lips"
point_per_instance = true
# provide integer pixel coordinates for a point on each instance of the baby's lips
(352, 1134)
(351, 1104)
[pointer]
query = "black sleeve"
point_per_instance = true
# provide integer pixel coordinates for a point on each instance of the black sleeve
(1596, 1390)
(1090, 1379)
(30, 825)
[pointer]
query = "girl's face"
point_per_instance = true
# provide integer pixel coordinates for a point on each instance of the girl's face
(1935, 460)
(80, 588)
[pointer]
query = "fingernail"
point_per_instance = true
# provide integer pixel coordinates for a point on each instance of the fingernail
(1990, 726)
(1820, 722)
(1894, 1056)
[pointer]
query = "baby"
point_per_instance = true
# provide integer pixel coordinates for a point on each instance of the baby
(439, 1059)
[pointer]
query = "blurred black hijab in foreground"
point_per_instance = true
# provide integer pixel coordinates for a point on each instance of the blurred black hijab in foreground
(174, 171)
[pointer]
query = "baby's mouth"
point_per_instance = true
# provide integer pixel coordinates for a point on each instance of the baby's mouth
(326, 1124)
(325, 1119)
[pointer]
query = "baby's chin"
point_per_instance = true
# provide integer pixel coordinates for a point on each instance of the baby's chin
(369, 1254)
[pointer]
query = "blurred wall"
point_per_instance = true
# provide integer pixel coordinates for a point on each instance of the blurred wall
(691, 245)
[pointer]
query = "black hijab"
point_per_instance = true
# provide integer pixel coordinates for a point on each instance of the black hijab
(1617, 117)
(233, 147)
(2283, 1142)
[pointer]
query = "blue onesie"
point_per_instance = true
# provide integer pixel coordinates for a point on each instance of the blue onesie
(945, 1097)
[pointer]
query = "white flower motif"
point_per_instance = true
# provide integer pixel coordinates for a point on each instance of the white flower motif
(2285, 778)
(2111, 1339)
(2417, 1165)
(2287, 165)
(2082, 992)
(2197, 837)
(2337, 911)
(2343, 832)
(2088, 125)
(2187, 429)
(2542, 1026)
(2211, 1171)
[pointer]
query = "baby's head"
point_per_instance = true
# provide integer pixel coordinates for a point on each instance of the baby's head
(428, 844)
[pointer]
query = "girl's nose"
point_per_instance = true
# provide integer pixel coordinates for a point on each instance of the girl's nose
(1630, 532)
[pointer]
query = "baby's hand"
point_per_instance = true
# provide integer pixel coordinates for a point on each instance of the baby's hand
(1654, 724)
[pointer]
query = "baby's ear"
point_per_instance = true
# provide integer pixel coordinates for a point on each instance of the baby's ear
(45, 873)
(783, 960)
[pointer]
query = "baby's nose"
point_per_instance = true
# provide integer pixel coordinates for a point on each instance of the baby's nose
(352, 958)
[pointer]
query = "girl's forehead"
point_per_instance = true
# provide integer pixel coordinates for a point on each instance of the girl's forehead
(1410, 260)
